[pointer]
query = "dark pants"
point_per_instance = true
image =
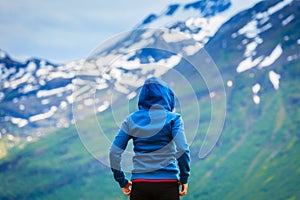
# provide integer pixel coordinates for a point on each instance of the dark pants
(154, 191)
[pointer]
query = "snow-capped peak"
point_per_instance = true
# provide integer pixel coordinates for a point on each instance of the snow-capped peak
(2, 54)
(199, 20)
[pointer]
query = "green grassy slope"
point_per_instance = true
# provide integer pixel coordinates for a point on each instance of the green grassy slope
(55, 167)
(257, 155)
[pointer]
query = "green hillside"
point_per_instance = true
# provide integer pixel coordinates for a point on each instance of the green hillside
(56, 167)
(257, 155)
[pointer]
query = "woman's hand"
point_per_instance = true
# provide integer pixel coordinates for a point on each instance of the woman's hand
(127, 189)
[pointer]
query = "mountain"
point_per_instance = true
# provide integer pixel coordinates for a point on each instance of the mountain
(248, 72)
(36, 96)
(32, 92)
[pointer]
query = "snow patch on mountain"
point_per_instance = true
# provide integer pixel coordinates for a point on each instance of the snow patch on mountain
(287, 20)
(269, 60)
(278, 6)
(252, 30)
(229, 83)
(248, 63)
(274, 78)
(256, 99)
(55, 91)
(19, 121)
(45, 115)
(255, 90)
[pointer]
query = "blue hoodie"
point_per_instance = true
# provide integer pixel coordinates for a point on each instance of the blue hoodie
(160, 147)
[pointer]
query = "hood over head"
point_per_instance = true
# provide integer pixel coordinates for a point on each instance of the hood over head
(156, 93)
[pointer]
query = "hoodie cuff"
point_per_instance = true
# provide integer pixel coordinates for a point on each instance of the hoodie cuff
(183, 180)
(123, 183)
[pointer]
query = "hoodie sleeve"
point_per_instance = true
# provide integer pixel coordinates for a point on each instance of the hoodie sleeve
(182, 148)
(115, 154)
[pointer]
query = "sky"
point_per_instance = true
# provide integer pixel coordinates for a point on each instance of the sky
(65, 30)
